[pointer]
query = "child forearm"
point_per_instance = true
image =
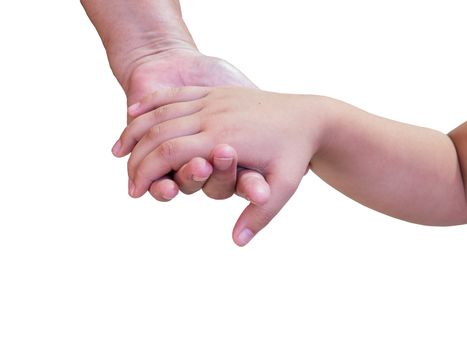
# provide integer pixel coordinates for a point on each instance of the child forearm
(405, 171)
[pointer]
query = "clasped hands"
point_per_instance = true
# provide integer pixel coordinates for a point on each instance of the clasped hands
(183, 136)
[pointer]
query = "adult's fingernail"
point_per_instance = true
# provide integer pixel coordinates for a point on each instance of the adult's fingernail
(244, 237)
(116, 148)
(133, 109)
(222, 163)
(200, 178)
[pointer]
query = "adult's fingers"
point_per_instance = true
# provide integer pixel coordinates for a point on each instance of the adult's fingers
(192, 176)
(167, 96)
(221, 184)
(254, 218)
(164, 189)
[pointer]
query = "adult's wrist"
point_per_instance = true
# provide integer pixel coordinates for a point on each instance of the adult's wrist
(133, 29)
(125, 60)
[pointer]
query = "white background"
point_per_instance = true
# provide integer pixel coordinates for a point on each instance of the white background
(83, 266)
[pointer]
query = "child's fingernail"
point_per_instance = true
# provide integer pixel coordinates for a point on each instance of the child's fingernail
(244, 237)
(117, 147)
(222, 163)
(133, 109)
(131, 188)
(167, 196)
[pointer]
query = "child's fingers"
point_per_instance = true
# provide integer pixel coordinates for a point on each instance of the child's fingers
(158, 134)
(136, 129)
(168, 156)
(164, 189)
(167, 96)
(192, 176)
(254, 218)
(252, 186)
(221, 184)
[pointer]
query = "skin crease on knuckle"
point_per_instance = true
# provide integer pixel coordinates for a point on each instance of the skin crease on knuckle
(127, 139)
(130, 136)
(140, 174)
(154, 133)
(263, 217)
(160, 112)
(167, 151)
(173, 93)
(146, 101)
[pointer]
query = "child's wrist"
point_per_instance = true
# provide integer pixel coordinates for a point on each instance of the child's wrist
(321, 116)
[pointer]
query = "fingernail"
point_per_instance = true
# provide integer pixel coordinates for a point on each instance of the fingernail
(167, 197)
(170, 193)
(244, 237)
(200, 179)
(222, 163)
(133, 109)
(117, 147)
(131, 188)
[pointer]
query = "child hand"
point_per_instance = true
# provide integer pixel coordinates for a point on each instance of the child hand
(216, 176)
(272, 134)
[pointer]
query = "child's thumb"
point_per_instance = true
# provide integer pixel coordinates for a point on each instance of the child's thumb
(255, 217)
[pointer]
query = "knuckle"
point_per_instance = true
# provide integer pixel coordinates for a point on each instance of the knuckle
(264, 217)
(154, 132)
(173, 92)
(140, 173)
(288, 185)
(153, 96)
(131, 165)
(161, 112)
(168, 150)
(128, 137)
(124, 137)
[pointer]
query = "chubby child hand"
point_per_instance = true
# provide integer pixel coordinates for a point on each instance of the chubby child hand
(273, 134)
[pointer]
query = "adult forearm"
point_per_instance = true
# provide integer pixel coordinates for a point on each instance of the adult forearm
(131, 29)
(405, 171)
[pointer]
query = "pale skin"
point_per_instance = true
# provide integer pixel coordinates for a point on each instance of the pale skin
(149, 47)
(409, 172)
